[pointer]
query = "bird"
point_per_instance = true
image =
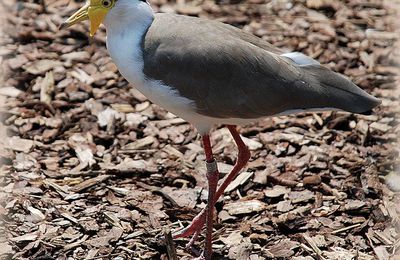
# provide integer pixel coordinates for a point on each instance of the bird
(211, 73)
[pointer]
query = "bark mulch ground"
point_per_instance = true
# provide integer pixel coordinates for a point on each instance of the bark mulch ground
(92, 170)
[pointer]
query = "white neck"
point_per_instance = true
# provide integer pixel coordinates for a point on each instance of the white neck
(128, 13)
(126, 24)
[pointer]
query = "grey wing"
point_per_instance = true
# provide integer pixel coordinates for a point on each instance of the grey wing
(229, 75)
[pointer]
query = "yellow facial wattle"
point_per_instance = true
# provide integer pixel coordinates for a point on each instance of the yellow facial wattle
(94, 10)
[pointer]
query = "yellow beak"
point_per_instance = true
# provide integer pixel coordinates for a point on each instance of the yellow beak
(92, 11)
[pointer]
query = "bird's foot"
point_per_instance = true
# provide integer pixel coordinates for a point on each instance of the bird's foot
(194, 230)
(189, 245)
(194, 227)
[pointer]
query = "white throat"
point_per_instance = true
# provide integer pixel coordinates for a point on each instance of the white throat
(126, 23)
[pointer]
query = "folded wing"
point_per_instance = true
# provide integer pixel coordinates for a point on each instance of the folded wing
(231, 74)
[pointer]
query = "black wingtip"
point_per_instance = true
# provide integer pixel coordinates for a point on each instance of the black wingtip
(367, 113)
(373, 102)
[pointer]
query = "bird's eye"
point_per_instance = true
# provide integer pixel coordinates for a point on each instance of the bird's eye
(107, 3)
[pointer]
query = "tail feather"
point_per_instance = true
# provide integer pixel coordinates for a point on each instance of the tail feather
(340, 92)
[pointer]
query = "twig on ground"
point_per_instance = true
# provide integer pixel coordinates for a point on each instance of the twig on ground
(170, 244)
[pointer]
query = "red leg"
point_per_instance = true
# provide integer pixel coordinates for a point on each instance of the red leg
(198, 222)
(243, 157)
(212, 177)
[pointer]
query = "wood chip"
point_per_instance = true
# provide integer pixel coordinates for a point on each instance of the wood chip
(240, 180)
(41, 66)
(276, 191)
(90, 183)
(244, 207)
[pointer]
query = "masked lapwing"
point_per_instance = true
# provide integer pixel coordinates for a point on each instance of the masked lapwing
(208, 73)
